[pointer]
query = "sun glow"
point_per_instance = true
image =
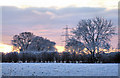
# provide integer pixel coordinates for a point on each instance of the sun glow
(60, 48)
(5, 48)
(8, 48)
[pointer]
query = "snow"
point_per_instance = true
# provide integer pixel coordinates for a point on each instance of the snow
(59, 69)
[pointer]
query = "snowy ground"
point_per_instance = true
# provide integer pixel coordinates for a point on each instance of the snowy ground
(59, 69)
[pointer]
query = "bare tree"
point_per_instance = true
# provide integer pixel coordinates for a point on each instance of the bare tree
(95, 34)
(22, 40)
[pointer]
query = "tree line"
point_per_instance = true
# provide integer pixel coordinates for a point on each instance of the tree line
(64, 57)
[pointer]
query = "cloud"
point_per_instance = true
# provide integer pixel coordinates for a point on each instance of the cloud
(49, 22)
(109, 4)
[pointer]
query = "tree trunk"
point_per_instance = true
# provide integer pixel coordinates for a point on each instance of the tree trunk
(93, 57)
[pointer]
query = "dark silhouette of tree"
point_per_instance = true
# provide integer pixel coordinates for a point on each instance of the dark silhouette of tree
(22, 40)
(41, 44)
(74, 46)
(117, 57)
(26, 41)
(66, 57)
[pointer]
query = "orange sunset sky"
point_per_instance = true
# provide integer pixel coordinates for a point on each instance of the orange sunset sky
(47, 18)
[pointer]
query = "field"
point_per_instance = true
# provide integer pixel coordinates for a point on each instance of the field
(59, 69)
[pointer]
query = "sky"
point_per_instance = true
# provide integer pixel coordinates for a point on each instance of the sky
(47, 18)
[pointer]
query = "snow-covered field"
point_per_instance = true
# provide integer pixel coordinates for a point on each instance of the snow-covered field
(59, 69)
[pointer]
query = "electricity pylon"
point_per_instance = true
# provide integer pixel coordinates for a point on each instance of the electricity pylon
(66, 36)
